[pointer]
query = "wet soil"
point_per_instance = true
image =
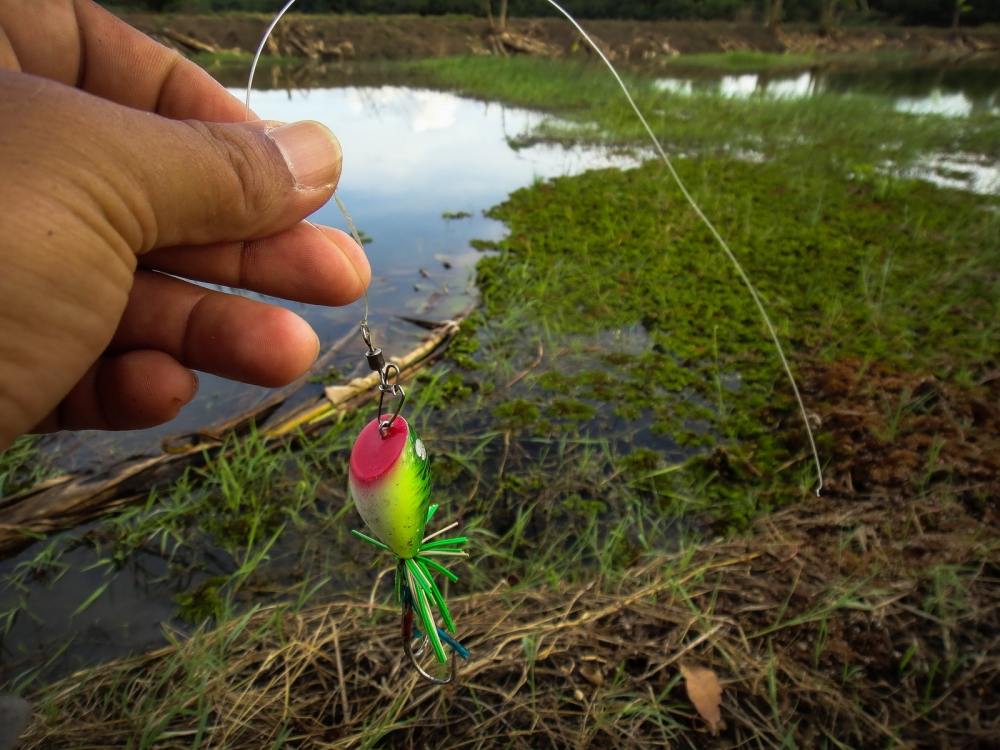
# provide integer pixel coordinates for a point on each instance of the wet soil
(896, 433)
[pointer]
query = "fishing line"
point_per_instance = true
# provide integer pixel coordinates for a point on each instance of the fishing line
(724, 246)
(715, 233)
(246, 100)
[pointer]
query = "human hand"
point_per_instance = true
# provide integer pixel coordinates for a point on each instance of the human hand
(120, 163)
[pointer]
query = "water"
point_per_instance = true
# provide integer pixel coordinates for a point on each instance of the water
(410, 156)
(943, 92)
(413, 154)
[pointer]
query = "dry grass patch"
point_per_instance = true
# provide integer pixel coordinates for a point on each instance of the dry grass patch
(832, 625)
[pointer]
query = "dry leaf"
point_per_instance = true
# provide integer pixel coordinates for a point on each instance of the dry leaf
(705, 692)
(592, 674)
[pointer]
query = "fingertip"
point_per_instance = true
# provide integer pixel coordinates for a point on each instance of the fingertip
(127, 391)
(312, 153)
(141, 389)
(286, 346)
(357, 261)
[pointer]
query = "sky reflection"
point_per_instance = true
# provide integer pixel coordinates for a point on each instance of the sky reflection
(930, 98)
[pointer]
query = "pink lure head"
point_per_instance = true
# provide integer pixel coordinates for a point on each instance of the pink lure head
(373, 455)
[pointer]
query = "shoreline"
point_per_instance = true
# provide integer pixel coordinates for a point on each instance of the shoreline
(636, 43)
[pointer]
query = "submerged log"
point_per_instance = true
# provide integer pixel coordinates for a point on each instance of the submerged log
(64, 502)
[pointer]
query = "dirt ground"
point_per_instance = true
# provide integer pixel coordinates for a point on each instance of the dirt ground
(906, 433)
(646, 42)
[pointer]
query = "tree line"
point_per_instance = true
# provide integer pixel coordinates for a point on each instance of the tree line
(911, 12)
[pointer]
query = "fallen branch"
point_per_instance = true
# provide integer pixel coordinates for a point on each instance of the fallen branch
(188, 42)
(526, 45)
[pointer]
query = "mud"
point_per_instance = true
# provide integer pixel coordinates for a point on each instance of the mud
(905, 433)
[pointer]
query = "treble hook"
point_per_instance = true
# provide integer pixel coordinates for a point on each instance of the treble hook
(411, 633)
(412, 654)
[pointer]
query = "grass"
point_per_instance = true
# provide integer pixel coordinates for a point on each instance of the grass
(846, 130)
(217, 538)
(744, 61)
(754, 61)
(229, 57)
(22, 466)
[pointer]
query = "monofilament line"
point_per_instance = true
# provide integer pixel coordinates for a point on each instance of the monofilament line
(260, 51)
(246, 100)
(715, 233)
(727, 251)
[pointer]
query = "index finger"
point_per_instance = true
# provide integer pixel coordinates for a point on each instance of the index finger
(79, 43)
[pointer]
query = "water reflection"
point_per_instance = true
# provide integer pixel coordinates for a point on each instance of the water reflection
(409, 156)
(950, 93)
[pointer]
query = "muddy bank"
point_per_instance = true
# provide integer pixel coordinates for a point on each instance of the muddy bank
(646, 42)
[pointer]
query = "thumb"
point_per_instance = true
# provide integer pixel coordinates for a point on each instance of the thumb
(216, 182)
(162, 182)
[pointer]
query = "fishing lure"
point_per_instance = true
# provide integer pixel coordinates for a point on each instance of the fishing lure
(390, 482)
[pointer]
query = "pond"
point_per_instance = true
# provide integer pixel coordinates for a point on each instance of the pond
(420, 199)
(953, 92)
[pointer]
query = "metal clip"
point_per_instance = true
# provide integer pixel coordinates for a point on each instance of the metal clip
(387, 375)
(366, 336)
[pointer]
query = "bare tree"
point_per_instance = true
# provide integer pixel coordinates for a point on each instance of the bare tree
(775, 10)
(961, 6)
(500, 24)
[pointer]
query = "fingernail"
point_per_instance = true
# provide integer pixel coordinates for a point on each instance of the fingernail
(311, 152)
(317, 344)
